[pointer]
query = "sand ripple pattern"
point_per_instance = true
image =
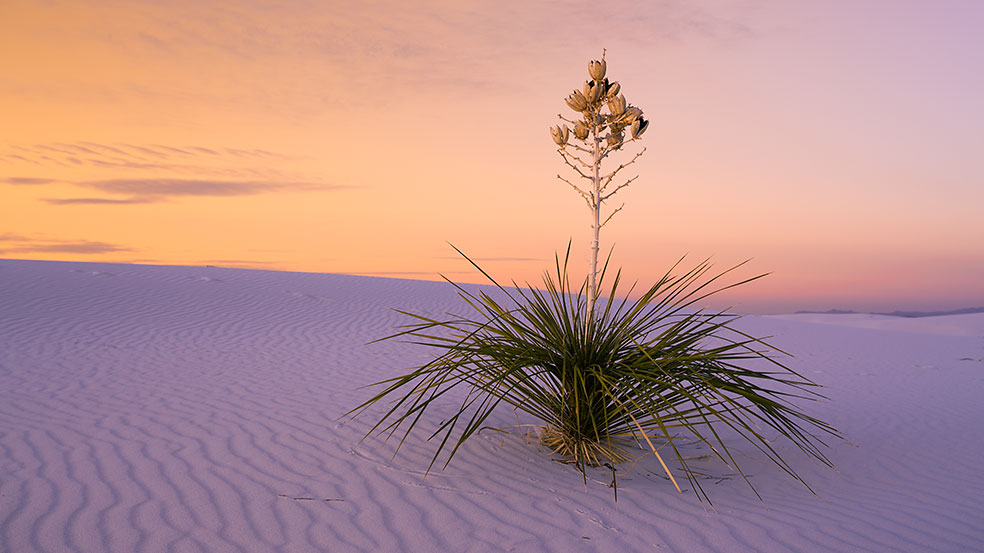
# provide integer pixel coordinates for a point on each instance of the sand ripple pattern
(191, 409)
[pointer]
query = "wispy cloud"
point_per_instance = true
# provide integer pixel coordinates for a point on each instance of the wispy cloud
(98, 201)
(85, 246)
(138, 156)
(159, 172)
(495, 259)
(24, 244)
(406, 273)
(11, 237)
(157, 188)
(26, 181)
(358, 52)
(239, 263)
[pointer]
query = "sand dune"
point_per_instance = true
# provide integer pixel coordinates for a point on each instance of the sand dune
(955, 325)
(186, 409)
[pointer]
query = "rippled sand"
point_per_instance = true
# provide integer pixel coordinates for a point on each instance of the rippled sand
(186, 409)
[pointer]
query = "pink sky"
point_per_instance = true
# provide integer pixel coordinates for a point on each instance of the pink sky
(838, 144)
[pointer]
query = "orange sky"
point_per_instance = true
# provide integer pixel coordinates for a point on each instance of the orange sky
(838, 144)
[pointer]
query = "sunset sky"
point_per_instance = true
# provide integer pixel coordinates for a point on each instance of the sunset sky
(838, 144)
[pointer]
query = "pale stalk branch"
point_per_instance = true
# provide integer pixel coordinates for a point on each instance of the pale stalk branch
(617, 188)
(608, 178)
(575, 167)
(611, 215)
(565, 153)
(583, 194)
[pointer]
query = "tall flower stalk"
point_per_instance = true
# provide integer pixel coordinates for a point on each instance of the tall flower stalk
(605, 116)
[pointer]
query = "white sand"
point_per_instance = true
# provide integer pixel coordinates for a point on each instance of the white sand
(185, 409)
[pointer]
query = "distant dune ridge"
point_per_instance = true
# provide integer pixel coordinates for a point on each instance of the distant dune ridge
(908, 314)
(186, 409)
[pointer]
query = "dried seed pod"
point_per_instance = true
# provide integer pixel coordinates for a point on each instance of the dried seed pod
(613, 89)
(597, 69)
(581, 130)
(560, 134)
(616, 105)
(597, 92)
(639, 126)
(576, 101)
(615, 140)
(593, 91)
(632, 113)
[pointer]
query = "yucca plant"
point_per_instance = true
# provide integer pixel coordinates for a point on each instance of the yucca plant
(643, 374)
(608, 379)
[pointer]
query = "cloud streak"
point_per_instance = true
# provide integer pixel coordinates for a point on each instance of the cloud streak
(98, 201)
(139, 156)
(159, 172)
(495, 259)
(160, 188)
(406, 273)
(11, 237)
(240, 263)
(309, 51)
(25, 244)
(26, 181)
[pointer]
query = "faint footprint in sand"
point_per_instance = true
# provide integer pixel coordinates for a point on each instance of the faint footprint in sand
(597, 521)
(93, 273)
(445, 488)
(309, 296)
(327, 499)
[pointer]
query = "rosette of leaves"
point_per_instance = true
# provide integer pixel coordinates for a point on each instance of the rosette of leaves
(632, 378)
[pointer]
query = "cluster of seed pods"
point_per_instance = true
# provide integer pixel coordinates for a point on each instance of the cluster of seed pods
(590, 102)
